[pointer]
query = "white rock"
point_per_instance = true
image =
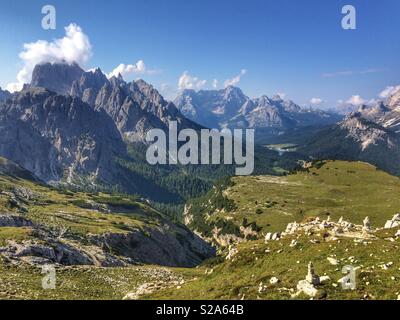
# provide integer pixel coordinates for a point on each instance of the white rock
(333, 261)
(395, 222)
(268, 236)
(276, 236)
(293, 243)
(324, 279)
(274, 280)
(307, 288)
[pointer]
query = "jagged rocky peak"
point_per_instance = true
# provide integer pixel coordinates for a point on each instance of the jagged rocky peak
(92, 79)
(134, 107)
(4, 95)
(57, 77)
(232, 92)
(87, 87)
(117, 81)
(150, 94)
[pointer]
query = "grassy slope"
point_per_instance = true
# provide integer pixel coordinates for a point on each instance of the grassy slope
(55, 209)
(353, 190)
(252, 265)
(230, 279)
(75, 283)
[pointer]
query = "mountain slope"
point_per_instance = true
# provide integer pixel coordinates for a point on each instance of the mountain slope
(357, 138)
(58, 137)
(41, 225)
(256, 270)
(253, 206)
(253, 269)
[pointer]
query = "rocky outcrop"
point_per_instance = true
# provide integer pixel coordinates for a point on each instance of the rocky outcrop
(167, 246)
(394, 222)
(58, 252)
(9, 220)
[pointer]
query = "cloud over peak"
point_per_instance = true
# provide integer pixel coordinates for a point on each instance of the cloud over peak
(316, 101)
(127, 69)
(356, 100)
(235, 81)
(186, 81)
(75, 46)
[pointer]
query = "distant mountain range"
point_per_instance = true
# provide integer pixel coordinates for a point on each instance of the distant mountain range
(371, 134)
(231, 108)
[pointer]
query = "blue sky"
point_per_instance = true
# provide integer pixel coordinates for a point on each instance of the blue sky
(288, 46)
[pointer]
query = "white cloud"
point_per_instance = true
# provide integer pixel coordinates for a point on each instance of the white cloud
(356, 100)
(389, 91)
(215, 84)
(316, 101)
(282, 95)
(186, 81)
(127, 69)
(352, 72)
(73, 47)
(235, 81)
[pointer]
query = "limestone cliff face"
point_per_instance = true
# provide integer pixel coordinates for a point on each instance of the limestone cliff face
(58, 137)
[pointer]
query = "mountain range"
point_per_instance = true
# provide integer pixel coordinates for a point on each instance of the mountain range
(371, 134)
(75, 127)
(71, 126)
(231, 108)
(134, 107)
